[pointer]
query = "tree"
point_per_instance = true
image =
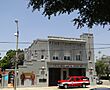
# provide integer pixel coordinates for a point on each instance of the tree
(100, 68)
(90, 12)
(8, 60)
(106, 59)
(107, 71)
(103, 66)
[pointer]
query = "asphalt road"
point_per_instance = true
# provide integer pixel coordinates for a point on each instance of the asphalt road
(56, 88)
(105, 84)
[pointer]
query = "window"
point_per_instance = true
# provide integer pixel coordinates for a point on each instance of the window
(89, 58)
(35, 52)
(56, 43)
(55, 57)
(77, 79)
(78, 57)
(42, 57)
(42, 80)
(72, 79)
(66, 57)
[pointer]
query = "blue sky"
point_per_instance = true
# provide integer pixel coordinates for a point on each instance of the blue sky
(33, 25)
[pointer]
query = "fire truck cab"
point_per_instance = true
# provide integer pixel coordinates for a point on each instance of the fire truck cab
(74, 81)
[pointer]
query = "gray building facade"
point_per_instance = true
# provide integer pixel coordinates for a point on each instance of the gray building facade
(55, 58)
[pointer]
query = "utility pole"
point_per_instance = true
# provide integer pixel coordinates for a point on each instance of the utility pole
(17, 36)
(91, 64)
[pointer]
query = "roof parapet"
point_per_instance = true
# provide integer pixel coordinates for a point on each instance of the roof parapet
(65, 38)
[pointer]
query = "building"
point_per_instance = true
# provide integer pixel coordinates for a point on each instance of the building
(55, 58)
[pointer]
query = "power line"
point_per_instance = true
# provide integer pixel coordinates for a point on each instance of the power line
(15, 42)
(31, 43)
(51, 50)
(101, 44)
(102, 48)
(63, 50)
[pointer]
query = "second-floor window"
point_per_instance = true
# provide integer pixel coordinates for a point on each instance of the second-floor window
(42, 57)
(67, 55)
(35, 52)
(78, 57)
(67, 58)
(55, 57)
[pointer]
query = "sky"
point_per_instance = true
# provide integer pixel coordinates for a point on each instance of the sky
(34, 25)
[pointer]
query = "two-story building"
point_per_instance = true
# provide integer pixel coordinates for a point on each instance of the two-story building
(55, 58)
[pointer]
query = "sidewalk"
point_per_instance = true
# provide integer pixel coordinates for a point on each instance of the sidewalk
(54, 88)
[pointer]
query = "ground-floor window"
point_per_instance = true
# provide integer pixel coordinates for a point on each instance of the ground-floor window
(42, 80)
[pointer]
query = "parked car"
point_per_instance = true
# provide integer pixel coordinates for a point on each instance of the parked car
(74, 81)
(98, 81)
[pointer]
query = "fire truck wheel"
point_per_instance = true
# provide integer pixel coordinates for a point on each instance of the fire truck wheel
(65, 86)
(83, 85)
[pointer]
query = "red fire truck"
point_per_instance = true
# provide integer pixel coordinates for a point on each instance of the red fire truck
(74, 81)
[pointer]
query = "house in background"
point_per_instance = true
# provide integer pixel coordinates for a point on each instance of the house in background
(55, 58)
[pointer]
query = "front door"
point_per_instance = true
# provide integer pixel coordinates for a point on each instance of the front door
(64, 73)
(54, 76)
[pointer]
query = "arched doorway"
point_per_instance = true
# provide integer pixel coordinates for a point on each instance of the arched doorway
(27, 78)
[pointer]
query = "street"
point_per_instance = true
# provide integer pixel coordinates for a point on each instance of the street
(50, 88)
(56, 88)
(106, 83)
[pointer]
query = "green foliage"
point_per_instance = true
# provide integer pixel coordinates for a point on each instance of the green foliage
(107, 71)
(90, 12)
(100, 68)
(10, 57)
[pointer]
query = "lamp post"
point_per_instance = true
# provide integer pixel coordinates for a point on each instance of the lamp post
(17, 36)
